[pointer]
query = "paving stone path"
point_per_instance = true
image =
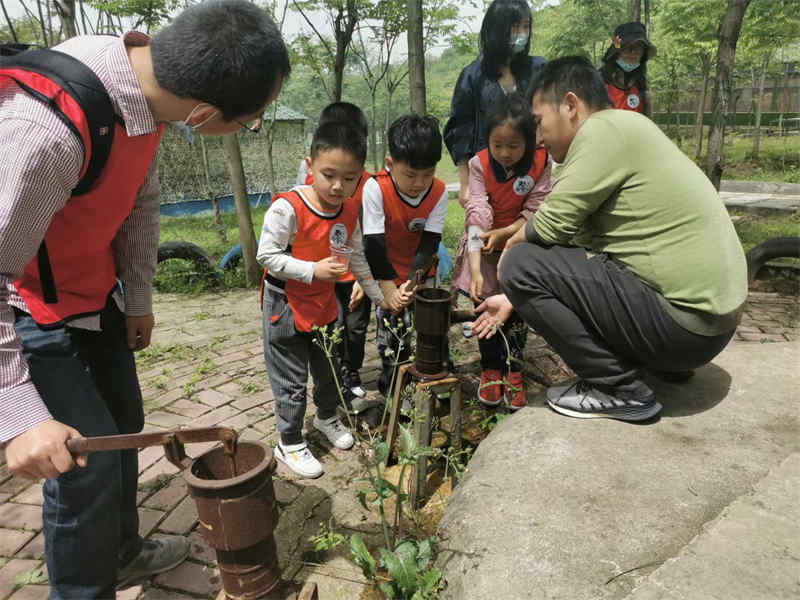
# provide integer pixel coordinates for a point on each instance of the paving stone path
(205, 367)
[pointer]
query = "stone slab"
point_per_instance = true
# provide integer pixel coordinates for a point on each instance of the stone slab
(752, 550)
(553, 507)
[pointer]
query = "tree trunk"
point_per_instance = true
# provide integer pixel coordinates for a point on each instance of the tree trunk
(338, 70)
(762, 77)
(636, 10)
(247, 238)
(66, 12)
(705, 65)
(210, 192)
(373, 138)
(647, 17)
(729, 31)
(416, 57)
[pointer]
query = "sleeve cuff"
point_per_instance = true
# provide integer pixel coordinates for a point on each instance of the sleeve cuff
(21, 409)
(138, 300)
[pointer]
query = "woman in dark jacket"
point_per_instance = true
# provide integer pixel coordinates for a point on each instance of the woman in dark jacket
(502, 67)
(624, 68)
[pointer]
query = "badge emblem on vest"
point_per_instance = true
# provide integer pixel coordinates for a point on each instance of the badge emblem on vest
(523, 185)
(338, 236)
(632, 100)
(417, 224)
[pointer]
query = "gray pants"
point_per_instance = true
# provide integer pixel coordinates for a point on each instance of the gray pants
(601, 319)
(289, 354)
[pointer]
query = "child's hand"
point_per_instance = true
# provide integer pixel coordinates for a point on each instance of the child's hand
(329, 269)
(476, 287)
(494, 239)
(391, 295)
(406, 295)
(356, 296)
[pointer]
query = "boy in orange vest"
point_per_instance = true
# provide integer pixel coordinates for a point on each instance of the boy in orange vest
(307, 232)
(404, 211)
(353, 320)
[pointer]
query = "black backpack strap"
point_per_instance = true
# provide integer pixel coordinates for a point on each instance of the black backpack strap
(83, 85)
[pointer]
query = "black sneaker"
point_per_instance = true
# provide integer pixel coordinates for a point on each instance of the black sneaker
(580, 399)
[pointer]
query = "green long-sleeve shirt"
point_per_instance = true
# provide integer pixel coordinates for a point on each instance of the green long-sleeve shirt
(624, 188)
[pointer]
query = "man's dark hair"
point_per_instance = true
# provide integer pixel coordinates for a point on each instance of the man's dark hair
(495, 38)
(228, 53)
(570, 74)
(336, 135)
(415, 140)
(344, 112)
(513, 109)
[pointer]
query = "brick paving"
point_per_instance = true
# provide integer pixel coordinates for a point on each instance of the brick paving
(205, 367)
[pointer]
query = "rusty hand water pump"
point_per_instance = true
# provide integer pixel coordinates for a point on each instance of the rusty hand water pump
(232, 489)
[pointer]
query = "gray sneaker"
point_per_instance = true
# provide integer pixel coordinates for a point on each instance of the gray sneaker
(580, 399)
(156, 556)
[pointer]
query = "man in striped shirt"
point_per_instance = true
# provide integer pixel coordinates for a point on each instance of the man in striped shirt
(66, 371)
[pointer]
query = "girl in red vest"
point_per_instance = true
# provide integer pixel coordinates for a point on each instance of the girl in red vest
(624, 68)
(508, 181)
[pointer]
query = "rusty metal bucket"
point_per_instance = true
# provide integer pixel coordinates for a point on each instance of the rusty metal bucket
(432, 322)
(238, 515)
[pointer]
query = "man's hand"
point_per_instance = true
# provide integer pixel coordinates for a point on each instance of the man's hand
(463, 196)
(494, 238)
(42, 451)
(356, 296)
(495, 310)
(328, 269)
(139, 330)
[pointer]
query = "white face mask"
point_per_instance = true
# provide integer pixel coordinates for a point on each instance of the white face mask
(188, 130)
(518, 43)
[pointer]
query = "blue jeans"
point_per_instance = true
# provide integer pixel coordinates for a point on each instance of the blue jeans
(88, 380)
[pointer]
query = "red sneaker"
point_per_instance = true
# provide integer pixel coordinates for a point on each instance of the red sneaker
(490, 391)
(516, 390)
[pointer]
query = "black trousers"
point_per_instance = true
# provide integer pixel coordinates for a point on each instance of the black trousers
(354, 324)
(601, 318)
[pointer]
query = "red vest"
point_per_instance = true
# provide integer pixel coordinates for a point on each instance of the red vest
(357, 194)
(629, 99)
(79, 237)
(507, 197)
(315, 304)
(404, 224)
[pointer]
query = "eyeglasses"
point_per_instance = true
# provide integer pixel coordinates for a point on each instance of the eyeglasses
(253, 126)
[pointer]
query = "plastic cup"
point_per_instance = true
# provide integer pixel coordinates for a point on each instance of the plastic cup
(342, 254)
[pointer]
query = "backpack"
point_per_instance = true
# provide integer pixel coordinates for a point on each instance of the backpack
(84, 92)
(45, 74)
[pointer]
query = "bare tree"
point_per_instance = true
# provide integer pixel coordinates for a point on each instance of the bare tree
(729, 31)
(343, 16)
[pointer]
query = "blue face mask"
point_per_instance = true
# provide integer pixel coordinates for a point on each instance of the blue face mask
(627, 67)
(188, 130)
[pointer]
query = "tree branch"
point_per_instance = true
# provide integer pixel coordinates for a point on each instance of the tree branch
(319, 35)
(8, 20)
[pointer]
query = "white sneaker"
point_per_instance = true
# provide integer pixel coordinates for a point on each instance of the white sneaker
(335, 431)
(299, 459)
(358, 391)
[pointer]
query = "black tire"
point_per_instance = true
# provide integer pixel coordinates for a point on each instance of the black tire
(185, 251)
(782, 247)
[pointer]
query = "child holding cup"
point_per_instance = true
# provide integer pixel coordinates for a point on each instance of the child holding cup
(311, 235)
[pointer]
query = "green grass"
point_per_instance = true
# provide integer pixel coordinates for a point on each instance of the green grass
(754, 229)
(778, 160)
